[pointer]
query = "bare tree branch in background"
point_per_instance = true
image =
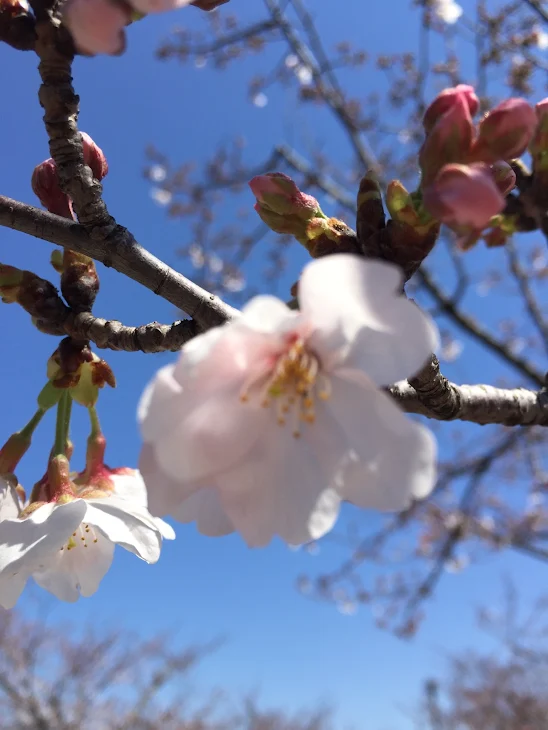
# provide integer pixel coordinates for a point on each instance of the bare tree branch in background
(56, 678)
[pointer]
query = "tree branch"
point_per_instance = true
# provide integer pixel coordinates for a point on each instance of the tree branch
(128, 258)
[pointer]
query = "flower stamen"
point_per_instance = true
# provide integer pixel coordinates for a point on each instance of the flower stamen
(293, 383)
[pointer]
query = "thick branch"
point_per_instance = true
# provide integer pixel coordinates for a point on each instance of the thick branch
(128, 258)
(481, 404)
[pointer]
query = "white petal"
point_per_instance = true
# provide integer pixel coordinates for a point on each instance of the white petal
(205, 508)
(76, 572)
(127, 525)
(10, 506)
(130, 486)
(11, 587)
(165, 530)
(164, 493)
(269, 315)
(362, 320)
(27, 544)
(393, 459)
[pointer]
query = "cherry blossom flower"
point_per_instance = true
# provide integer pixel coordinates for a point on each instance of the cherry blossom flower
(265, 424)
(67, 546)
(447, 10)
(97, 26)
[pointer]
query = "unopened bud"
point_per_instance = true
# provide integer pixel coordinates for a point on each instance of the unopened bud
(464, 197)
(449, 140)
(76, 367)
(401, 206)
(445, 100)
(505, 132)
(45, 184)
(94, 157)
(278, 193)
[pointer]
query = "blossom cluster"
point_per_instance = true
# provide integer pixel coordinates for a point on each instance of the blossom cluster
(263, 426)
(97, 26)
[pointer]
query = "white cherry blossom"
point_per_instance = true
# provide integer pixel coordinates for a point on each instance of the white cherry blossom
(448, 10)
(68, 546)
(265, 424)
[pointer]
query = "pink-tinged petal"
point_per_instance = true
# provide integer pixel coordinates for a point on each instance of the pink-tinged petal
(9, 500)
(158, 406)
(164, 493)
(97, 26)
(214, 430)
(393, 458)
(236, 350)
(77, 572)
(26, 545)
(129, 526)
(204, 507)
(158, 6)
(286, 486)
(270, 316)
(362, 321)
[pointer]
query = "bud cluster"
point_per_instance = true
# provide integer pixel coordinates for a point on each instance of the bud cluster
(465, 167)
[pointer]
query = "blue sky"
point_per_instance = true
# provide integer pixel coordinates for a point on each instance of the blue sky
(292, 650)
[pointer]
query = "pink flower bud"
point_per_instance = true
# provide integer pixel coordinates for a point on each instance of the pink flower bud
(445, 100)
(97, 26)
(277, 193)
(94, 157)
(505, 132)
(45, 184)
(464, 197)
(449, 140)
(504, 176)
(539, 143)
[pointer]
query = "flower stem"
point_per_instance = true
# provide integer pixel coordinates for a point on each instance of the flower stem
(94, 420)
(62, 425)
(27, 431)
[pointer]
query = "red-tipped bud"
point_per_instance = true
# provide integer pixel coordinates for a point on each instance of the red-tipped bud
(278, 193)
(45, 184)
(504, 177)
(445, 100)
(94, 157)
(505, 132)
(450, 139)
(97, 26)
(464, 197)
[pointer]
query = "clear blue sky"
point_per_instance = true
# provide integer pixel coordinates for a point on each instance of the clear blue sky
(293, 651)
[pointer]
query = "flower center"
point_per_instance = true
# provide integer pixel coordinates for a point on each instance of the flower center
(291, 389)
(83, 535)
